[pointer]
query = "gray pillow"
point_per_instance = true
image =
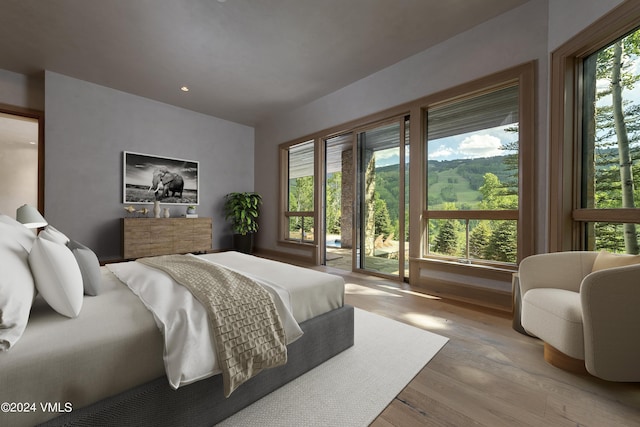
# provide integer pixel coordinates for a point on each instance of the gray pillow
(89, 267)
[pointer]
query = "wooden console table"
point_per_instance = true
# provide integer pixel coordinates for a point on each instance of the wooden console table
(142, 237)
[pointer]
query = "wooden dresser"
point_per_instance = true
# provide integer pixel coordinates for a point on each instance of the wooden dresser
(142, 237)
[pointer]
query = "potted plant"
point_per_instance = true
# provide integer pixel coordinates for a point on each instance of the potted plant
(242, 209)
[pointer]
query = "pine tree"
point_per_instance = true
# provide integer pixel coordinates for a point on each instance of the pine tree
(446, 242)
(479, 240)
(503, 243)
(381, 217)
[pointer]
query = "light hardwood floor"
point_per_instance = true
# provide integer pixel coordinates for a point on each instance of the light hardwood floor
(487, 374)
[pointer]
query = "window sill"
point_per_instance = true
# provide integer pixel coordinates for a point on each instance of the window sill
(507, 268)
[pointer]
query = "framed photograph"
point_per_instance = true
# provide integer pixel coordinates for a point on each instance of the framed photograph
(148, 178)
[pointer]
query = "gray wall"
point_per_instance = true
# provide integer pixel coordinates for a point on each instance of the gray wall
(22, 91)
(87, 128)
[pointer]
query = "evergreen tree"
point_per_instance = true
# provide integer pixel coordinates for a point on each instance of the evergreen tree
(503, 243)
(381, 217)
(446, 242)
(479, 239)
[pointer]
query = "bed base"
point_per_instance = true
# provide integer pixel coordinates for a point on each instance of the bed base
(203, 403)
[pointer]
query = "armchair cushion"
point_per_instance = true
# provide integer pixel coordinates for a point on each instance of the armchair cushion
(606, 260)
(556, 316)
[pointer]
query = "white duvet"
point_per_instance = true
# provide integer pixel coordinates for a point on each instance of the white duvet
(189, 353)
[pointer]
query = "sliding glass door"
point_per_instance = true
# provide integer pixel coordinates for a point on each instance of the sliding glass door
(382, 198)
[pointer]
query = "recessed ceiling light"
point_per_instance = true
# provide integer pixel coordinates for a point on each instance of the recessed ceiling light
(184, 89)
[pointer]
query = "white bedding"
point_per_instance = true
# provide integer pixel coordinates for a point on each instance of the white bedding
(189, 354)
(312, 292)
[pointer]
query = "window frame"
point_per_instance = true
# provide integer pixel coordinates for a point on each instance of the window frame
(567, 219)
(524, 77)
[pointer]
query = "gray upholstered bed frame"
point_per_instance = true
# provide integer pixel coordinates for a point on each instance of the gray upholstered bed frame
(203, 403)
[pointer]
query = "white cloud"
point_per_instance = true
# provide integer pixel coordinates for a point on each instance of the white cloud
(386, 154)
(441, 151)
(475, 146)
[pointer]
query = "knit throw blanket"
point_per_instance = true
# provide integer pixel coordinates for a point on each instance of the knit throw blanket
(247, 330)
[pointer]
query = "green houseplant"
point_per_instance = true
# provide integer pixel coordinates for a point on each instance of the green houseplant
(242, 210)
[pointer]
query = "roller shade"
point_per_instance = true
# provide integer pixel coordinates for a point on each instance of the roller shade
(301, 160)
(497, 108)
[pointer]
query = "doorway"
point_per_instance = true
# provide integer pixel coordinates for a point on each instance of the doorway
(20, 160)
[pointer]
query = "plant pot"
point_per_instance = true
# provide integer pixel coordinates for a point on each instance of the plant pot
(243, 243)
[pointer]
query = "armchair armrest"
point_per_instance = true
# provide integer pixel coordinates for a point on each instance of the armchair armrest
(611, 320)
(560, 270)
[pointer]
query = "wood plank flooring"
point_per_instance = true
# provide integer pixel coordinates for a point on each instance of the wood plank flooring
(487, 374)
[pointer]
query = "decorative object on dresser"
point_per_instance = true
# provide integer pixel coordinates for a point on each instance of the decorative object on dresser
(148, 179)
(191, 212)
(142, 237)
(243, 209)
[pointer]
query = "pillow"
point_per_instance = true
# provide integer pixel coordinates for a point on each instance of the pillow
(22, 234)
(57, 276)
(89, 267)
(54, 235)
(16, 287)
(606, 260)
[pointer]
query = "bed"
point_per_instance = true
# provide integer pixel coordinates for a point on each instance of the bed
(108, 365)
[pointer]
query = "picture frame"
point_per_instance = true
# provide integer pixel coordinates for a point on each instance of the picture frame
(147, 178)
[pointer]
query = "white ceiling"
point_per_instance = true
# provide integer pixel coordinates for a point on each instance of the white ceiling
(243, 60)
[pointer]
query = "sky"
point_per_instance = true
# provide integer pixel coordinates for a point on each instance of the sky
(472, 145)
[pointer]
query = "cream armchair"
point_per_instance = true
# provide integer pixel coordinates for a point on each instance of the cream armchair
(585, 306)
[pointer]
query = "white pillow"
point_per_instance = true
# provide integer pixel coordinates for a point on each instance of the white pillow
(57, 276)
(54, 235)
(16, 286)
(24, 235)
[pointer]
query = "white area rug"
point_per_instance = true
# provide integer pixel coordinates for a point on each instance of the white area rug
(354, 387)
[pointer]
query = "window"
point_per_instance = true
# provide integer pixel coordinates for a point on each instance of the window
(473, 147)
(595, 107)
(299, 212)
(611, 143)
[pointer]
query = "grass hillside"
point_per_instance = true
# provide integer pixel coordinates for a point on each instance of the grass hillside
(452, 181)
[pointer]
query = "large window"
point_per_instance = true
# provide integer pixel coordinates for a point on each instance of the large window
(611, 143)
(473, 177)
(300, 195)
(595, 137)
